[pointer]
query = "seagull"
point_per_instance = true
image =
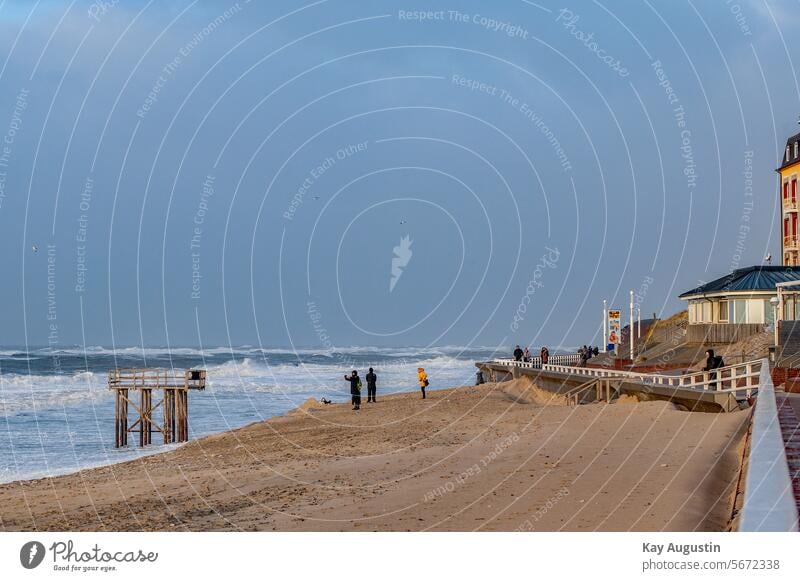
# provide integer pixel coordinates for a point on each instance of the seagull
(768, 258)
(35, 248)
(403, 221)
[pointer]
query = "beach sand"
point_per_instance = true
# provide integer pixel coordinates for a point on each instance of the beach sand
(492, 457)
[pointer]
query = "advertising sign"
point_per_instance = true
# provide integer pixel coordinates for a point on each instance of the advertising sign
(614, 329)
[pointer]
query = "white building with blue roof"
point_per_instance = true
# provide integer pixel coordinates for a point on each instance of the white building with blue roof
(738, 305)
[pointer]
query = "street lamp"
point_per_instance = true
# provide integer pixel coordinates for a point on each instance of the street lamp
(605, 325)
(639, 323)
(631, 328)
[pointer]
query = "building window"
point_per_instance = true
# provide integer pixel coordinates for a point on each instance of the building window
(739, 311)
(723, 311)
(796, 143)
(755, 311)
(787, 153)
(786, 190)
(794, 189)
(769, 313)
(701, 311)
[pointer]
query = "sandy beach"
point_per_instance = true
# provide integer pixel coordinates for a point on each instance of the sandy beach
(495, 457)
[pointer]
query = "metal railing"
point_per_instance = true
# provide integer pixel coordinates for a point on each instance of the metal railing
(769, 503)
(536, 362)
(789, 241)
(742, 377)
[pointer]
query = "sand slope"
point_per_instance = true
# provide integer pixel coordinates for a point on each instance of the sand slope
(476, 458)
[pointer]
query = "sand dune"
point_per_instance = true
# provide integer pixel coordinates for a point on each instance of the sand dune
(493, 457)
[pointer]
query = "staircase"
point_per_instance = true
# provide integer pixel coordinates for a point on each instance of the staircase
(788, 354)
(603, 387)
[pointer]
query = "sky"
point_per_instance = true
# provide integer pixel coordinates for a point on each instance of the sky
(336, 174)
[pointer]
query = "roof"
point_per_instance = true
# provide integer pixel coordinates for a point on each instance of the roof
(752, 278)
(792, 159)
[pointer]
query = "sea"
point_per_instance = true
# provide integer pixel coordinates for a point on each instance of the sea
(57, 414)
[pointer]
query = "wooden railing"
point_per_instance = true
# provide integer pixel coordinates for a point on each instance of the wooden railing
(742, 377)
(154, 378)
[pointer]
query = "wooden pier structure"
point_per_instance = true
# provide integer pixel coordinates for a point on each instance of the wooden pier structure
(174, 389)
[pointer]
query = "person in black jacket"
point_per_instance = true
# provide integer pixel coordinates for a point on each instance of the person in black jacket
(355, 389)
(713, 362)
(371, 388)
(518, 354)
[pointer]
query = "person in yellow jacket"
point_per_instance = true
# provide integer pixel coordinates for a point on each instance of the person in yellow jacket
(422, 377)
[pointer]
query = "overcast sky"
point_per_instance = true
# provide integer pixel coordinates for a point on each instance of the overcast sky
(183, 173)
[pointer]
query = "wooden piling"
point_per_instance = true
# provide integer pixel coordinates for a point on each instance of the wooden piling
(178, 415)
(124, 415)
(168, 416)
(149, 416)
(117, 441)
(185, 411)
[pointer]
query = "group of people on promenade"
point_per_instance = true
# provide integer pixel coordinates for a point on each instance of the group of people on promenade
(525, 355)
(372, 385)
(587, 353)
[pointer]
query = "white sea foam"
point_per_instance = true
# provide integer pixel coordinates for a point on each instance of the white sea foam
(135, 351)
(22, 392)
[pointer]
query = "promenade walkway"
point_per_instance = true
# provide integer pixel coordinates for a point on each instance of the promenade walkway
(772, 485)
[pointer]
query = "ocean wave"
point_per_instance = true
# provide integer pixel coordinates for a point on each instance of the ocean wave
(245, 350)
(19, 391)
